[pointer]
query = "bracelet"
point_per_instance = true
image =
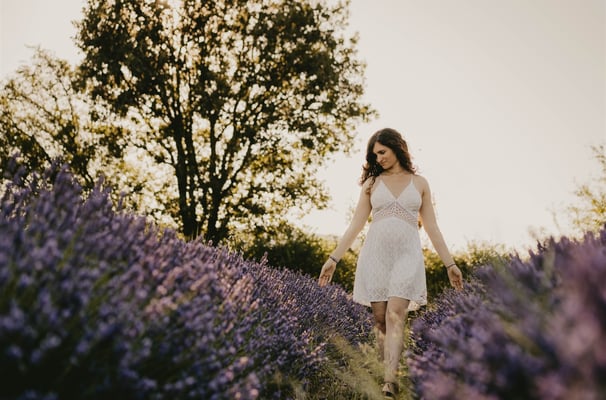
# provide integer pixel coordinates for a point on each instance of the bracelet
(451, 265)
(334, 259)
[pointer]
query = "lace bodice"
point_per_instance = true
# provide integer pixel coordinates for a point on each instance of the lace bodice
(405, 206)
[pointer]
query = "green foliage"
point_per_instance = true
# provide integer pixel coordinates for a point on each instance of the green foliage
(242, 100)
(589, 214)
(293, 248)
(476, 254)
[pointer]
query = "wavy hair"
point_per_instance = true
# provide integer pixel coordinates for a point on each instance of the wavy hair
(393, 139)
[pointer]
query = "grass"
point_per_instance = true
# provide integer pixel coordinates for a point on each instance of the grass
(353, 373)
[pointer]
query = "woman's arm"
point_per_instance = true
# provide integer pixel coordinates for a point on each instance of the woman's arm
(358, 221)
(428, 218)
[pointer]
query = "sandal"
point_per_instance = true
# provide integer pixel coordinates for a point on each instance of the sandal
(390, 390)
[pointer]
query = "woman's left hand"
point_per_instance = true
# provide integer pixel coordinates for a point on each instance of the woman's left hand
(456, 277)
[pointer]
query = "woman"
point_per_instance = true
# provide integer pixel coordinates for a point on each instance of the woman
(390, 275)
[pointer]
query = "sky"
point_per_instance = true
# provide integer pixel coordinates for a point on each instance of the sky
(500, 102)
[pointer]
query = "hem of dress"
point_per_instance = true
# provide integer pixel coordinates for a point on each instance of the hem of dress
(412, 306)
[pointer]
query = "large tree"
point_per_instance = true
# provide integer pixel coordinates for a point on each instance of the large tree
(242, 99)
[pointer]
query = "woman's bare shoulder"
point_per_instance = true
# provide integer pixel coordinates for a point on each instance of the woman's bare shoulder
(421, 182)
(420, 178)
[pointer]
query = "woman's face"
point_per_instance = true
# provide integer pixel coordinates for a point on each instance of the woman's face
(385, 156)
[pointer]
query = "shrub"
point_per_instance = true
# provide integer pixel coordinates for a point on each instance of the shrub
(293, 248)
(97, 303)
(474, 256)
(533, 329)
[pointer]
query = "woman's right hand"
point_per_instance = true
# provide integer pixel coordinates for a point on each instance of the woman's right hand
(328, 269)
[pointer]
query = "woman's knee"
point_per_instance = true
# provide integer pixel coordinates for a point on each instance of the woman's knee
(395, 316)
(378, 313)
(397, 311)
(380, 322)
(381, 325)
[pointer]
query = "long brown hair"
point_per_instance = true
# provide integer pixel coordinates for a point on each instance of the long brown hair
(393, 139)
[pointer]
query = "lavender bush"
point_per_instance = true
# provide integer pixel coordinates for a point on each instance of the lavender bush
(96, 304)
(529, 329)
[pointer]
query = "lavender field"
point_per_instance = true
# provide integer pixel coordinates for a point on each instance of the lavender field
(96, 303)
(527, 329)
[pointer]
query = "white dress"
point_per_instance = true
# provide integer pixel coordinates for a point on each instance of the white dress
(391, 263)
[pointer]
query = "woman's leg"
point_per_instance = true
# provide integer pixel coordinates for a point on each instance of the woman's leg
(395, 320)
(379, 309)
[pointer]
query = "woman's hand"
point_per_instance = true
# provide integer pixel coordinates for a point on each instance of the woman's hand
(328, 269)
(456, 277)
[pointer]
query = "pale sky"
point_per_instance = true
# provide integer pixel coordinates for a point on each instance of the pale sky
(499, 100)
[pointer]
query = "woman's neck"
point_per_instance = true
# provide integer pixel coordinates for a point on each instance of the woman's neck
(393, 171)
